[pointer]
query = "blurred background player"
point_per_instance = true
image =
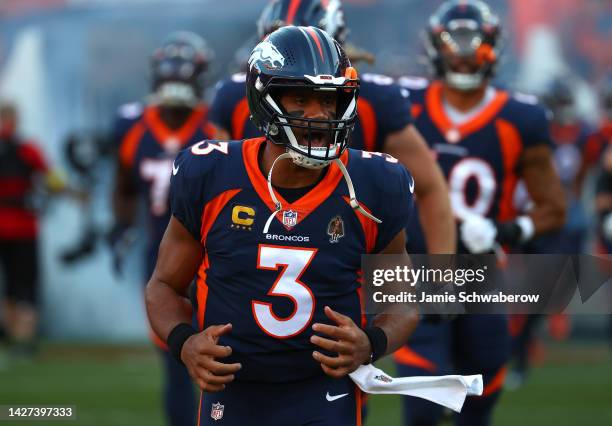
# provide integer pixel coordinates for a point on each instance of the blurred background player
(23, 172)
(384, 121)
(484, 139)
(569, 135)
(149, 138)
(601, 138)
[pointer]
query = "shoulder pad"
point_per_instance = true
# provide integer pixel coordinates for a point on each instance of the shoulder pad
(415, 83)
(239, 77)
(525, 98)
(380, 79)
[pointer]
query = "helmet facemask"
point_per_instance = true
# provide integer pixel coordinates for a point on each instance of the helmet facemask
(462, 43)
(312, 142)
(178, 70)
(465, 58)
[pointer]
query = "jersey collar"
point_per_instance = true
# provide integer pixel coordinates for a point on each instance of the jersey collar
(166, 136)
(304, 205)
(452, 133)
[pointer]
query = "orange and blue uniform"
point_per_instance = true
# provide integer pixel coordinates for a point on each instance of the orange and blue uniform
(147, 149)
(273, 286)
(481, 161)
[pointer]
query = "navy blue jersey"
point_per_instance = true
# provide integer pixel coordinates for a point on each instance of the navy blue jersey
(147, 148)
(481, 157)
(272, 287)
(383, 107)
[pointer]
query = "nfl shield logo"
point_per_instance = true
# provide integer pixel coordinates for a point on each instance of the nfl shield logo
(217, 411)
(290, 218)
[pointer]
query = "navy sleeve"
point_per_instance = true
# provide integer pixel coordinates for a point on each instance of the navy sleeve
(397, 203)
(396, 112)
(535, 128)
(390, 102)
(127, 116)
(187, 185)
(223, 104)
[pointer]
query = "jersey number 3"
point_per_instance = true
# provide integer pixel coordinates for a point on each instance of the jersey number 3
(292, 261)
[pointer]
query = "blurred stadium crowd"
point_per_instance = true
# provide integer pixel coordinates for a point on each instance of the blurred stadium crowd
(72, 70)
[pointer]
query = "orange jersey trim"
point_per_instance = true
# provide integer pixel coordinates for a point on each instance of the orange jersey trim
(359, 404)
(209, 216)
(200, 407)
(512, 148)
(305, 205)
(370, 228)
(163, 134)
(416, 110)
(367, 117)
(407, 356)
(129, 145)
(496, 382)
(202, 291)
(239, 118)
(212, 210)
(433, 103)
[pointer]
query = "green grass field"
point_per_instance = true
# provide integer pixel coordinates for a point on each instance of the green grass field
(119, 385)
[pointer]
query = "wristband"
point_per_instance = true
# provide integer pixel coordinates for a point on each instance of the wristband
(378, 341)
(519, 231)
(508, 233)
(177, 337)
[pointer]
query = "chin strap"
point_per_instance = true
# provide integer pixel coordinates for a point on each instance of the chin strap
(353, 197)
(277, 204)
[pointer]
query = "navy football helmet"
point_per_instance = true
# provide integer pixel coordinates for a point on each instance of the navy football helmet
(559, 98)
(461, 43)
(178, 68)
(325, 14)
(302, 57)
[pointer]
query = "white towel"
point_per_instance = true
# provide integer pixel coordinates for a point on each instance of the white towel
(449, 391)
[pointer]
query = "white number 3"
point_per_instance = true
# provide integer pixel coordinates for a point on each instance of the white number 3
(293, 261)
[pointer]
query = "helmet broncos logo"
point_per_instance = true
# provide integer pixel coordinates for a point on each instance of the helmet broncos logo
(267, 53)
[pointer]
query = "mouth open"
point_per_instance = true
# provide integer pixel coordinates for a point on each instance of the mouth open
(318, 139)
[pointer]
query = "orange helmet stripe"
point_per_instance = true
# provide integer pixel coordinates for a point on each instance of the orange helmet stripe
(315, 36)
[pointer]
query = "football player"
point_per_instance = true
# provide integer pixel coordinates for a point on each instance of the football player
(485, 139)
(569, 136)
(384, 122)
(275, 228)
(599, 140)
(149, 138)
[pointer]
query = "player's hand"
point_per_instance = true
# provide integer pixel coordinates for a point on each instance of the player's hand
(120, 238)
(478, 234)
(346, 339)
(199, 355)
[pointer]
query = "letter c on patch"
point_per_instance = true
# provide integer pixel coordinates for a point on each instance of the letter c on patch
(243, 215)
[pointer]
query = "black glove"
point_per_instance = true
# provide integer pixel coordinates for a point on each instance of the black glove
(120, 238)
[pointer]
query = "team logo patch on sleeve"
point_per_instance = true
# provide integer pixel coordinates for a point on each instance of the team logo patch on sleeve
(335, 229)
(217, 411)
